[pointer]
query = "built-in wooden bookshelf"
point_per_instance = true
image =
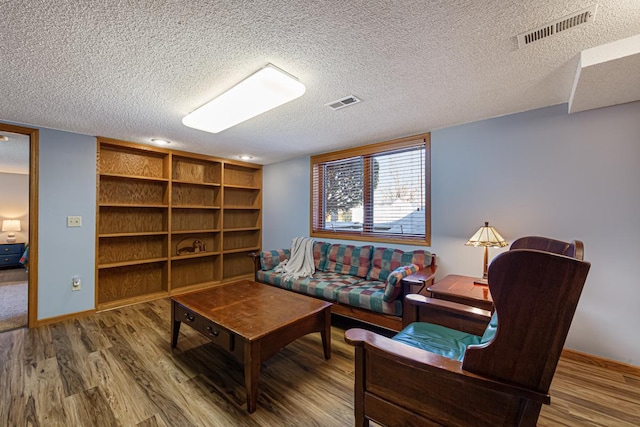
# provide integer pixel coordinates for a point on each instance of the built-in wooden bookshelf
(196, 212)
(172, 222)
(241, 218)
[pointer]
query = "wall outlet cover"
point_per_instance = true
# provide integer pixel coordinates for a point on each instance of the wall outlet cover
(74, 221)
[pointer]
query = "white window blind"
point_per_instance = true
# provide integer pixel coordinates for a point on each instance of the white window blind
(380, 194)
(343, 183)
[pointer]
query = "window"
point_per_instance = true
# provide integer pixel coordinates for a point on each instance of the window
(377, 192)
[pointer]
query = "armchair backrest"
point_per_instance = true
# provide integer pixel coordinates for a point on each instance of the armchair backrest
(535, 293)
(573, 249)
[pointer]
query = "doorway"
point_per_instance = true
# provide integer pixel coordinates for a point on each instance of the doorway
(18, 226)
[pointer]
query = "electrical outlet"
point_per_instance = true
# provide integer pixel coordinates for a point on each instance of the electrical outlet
(75, 283)
(74, 221)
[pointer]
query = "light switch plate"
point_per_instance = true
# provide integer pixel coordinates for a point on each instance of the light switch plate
(74, 221)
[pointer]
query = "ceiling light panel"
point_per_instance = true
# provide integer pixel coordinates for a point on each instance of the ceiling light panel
(264, 90)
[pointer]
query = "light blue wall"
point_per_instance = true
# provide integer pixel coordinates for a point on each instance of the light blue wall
(67, 186)
(542, 172)
(285, 202)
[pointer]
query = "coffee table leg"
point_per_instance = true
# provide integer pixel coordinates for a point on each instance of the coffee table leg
(326, 334)
(251, 374)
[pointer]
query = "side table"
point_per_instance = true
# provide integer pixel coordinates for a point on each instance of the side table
(461, 289)
(10, 254)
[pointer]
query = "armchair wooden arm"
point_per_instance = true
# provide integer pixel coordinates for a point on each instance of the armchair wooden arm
(421, 359)
(418, 308)
(434, 387)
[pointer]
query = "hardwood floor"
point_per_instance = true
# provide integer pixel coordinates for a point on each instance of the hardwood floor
(116, 368)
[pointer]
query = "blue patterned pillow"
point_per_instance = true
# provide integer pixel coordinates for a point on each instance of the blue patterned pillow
(270, 259)
(393, 286)
(385, 260)
(349, 259)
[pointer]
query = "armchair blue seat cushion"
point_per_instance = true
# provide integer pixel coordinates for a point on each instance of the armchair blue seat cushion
(437, 339)
(446, 342)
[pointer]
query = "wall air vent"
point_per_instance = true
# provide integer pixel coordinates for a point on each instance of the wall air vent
(559, 25)
(344, 102)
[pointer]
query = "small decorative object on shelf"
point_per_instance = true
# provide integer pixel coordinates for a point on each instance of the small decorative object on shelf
(183, 247)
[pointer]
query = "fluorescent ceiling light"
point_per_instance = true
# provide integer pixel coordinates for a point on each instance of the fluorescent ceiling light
(267, 88)
(160, 141)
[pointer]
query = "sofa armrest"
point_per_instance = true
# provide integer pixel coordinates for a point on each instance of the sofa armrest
(423, 278)
(256, 261)
(419, 308)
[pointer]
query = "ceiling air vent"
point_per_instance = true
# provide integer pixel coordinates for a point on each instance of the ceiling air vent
(344, 102)
(559, 25)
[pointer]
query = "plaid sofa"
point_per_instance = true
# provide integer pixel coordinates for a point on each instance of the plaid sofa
(364, 277)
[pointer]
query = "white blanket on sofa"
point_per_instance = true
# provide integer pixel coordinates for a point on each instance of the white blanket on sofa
(301, 262)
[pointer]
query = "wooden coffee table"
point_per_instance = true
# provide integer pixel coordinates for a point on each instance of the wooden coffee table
(251, 321)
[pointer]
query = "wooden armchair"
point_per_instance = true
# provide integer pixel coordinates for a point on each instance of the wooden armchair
(474, 320)
(501, 382)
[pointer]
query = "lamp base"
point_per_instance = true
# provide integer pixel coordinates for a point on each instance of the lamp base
(11, 238)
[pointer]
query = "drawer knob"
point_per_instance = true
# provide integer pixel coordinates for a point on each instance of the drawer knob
(6, 249)
(189, 317)
(6, 260)
(212, 332)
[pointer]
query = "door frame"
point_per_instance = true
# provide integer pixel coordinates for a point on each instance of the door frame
(34, 144)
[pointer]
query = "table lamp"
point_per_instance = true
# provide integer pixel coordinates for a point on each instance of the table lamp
(11, 225)
(487, 237)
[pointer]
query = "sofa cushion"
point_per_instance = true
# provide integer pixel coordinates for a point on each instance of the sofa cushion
(437, 339)
(385, 260)
(321, 284)
(369, 295)
(273, 278)
(324, 284)
(320, 250)
(348, 259)
(270, 259)
(393, 285)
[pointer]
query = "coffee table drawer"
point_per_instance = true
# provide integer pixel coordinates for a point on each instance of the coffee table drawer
(209, 329)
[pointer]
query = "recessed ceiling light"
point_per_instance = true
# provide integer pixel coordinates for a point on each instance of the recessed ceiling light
(4, 138)
(160, 141)
(262, 91)
(245, 157)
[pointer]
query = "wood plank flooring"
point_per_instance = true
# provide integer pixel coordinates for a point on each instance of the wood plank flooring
(116, 369)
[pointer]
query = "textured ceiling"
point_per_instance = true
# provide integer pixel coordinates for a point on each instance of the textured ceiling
(132, 69)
